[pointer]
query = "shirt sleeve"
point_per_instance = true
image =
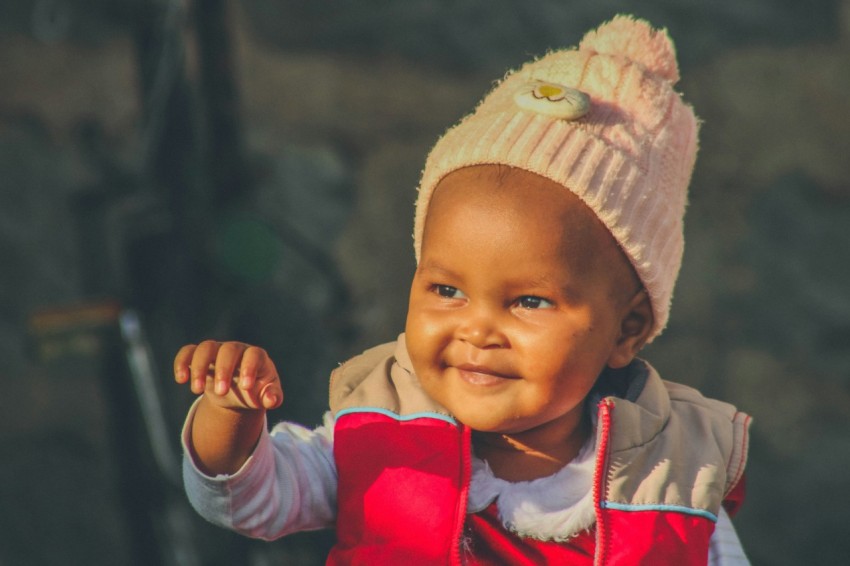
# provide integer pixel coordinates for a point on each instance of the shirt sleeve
(288, 484)
(724, 548)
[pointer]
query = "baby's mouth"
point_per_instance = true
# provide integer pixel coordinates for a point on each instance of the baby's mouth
(481, 375)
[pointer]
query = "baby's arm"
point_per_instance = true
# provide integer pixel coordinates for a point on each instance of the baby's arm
(236, 474)
(238, 383)
(724, 547)
(287, 485)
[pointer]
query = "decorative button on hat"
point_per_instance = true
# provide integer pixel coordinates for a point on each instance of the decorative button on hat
(552, 99)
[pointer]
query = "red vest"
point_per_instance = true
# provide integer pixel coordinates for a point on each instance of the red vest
(404, 480)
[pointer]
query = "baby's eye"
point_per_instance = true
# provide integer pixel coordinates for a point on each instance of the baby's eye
(449, 292)
(532, 302)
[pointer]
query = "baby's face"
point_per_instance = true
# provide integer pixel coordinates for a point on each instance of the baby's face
(517, 303)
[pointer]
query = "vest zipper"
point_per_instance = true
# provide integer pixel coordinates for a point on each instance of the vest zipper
(600, 480)
(455, 558)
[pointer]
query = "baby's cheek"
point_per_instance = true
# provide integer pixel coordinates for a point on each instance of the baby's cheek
(426, 334)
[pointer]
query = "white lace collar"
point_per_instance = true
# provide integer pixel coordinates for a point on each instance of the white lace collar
(555, 507)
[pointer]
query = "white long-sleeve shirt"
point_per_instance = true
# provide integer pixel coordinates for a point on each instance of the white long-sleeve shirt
(289, 484)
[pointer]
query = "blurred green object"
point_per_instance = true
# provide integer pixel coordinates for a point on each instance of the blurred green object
(247, 249)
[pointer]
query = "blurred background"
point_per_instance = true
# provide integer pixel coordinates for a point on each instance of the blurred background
(174, 170)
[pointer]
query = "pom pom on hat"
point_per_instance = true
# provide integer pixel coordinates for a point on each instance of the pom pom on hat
(603, 121)
(635, 39)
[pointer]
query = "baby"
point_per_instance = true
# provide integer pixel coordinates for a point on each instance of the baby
(512, 422)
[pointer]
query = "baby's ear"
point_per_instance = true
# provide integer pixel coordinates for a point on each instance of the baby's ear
(635, 328)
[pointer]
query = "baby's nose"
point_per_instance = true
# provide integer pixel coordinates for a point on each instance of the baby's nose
(482, 331)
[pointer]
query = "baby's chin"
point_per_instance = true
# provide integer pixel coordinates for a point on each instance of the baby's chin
(487, 426)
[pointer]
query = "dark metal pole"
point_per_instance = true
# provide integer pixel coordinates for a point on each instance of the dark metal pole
(224, 153)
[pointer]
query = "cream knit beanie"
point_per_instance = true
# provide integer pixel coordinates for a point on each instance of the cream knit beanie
(604, 121)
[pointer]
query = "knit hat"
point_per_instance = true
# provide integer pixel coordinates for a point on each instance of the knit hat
(604, 121)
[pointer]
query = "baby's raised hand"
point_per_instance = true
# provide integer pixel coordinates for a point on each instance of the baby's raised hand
(232, 375)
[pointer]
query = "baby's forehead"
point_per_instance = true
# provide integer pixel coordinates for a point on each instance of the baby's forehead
(528, 201)
(522, 198)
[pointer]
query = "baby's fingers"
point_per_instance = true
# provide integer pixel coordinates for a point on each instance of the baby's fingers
(259, 380)
(181, 363)
(255, 365)
(203, 357)
(227, 363)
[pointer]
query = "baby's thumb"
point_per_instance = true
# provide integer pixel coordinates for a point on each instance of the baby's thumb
(271, 397)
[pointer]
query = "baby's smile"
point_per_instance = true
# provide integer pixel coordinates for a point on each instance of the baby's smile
(481, 375)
